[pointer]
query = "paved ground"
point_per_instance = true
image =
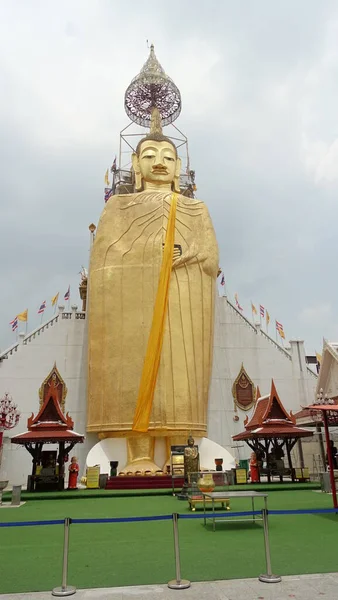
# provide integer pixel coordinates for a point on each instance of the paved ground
(304, 587)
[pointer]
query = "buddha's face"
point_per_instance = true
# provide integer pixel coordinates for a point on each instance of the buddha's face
(157, 161)
(156, 164)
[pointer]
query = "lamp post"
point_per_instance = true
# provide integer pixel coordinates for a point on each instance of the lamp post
(9, 416)
(323, 403)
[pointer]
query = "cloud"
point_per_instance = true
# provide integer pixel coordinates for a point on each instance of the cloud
(259, 91)
(320, 311)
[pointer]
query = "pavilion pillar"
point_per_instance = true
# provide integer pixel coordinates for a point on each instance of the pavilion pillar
(330, 459)
(301, 454)
(258, 452)
(34, 453)
(61, 466)
(321, 445)
(267, 460)
(288, 451)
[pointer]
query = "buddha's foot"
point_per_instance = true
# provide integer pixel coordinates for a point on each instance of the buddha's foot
(141, 467)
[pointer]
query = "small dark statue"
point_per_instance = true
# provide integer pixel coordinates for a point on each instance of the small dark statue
(191, 465)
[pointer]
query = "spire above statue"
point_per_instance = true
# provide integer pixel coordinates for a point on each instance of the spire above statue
(155, 122)
(152, 88)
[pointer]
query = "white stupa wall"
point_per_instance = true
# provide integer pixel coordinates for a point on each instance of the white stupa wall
(237, 341)
(64, 341)
(61, 340)
(328, 374)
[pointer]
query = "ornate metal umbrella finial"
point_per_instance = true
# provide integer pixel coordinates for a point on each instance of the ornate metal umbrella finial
(150, 89)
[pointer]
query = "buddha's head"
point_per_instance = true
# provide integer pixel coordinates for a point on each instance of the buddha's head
(155, 162)
(191, 441)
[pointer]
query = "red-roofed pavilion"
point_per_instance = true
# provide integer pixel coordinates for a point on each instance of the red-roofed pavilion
(271, 429)
(50, 426)
(328, 409)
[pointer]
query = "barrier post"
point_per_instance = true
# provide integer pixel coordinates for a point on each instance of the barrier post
(178, 583)
(65, 590)
(268, 577)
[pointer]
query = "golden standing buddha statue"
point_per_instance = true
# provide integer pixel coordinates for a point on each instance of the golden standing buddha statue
(150, 362)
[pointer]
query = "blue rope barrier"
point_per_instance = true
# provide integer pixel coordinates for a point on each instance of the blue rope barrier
(124, 519)
(217, 514)
(304, 511)
(228, 514)
(31, 523)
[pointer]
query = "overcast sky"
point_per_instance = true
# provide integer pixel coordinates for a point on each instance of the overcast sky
(259, 85)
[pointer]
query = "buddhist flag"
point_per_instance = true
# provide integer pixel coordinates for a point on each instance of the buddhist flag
(253, 309)
(267, 318)
(280, 330)
(106, 177)
(55, 299)
(23, 316)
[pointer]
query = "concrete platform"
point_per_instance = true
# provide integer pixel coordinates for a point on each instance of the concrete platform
(10, 505)
(301, 587)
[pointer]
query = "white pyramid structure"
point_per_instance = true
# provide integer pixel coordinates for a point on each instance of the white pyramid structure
(63, 340)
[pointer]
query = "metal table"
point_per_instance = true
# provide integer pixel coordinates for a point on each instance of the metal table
(223, 496)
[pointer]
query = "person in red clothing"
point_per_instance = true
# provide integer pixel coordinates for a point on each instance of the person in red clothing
(73, 473)
(254, 471)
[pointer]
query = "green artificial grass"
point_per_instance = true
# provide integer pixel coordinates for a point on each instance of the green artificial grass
(118, 554)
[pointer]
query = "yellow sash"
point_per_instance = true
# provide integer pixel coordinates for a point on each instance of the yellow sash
(153, 354)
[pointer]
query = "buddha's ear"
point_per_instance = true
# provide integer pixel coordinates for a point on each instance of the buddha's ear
(136, 166)
(177, 176)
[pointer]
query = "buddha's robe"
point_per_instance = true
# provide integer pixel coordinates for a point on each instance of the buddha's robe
(123, 279)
